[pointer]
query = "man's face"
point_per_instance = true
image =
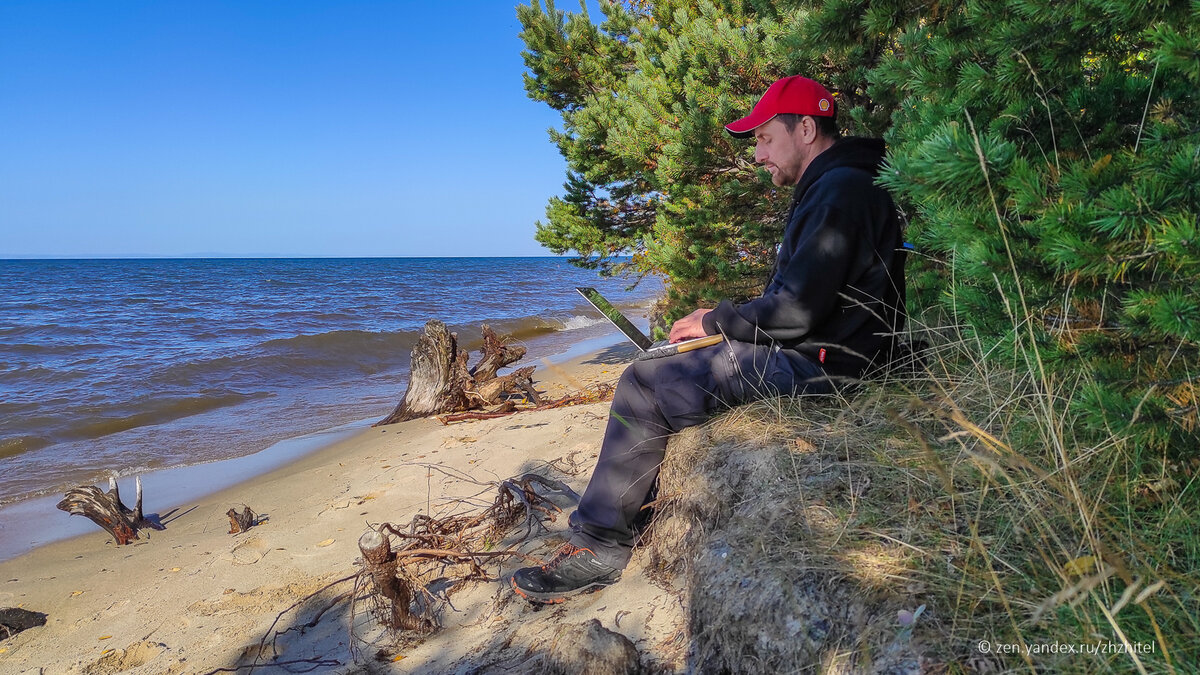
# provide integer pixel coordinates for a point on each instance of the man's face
(783, 153)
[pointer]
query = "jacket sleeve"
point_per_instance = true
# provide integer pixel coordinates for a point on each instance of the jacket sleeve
(804, 290)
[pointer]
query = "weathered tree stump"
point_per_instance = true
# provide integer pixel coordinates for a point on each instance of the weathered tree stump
(240, 522)
(376, 548)
(106, 510)
(440, 382)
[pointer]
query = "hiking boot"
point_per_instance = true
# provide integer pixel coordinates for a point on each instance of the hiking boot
(572, 571)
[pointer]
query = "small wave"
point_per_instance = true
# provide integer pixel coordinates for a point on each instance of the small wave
(46, 330)
(35, 373)
(15, 445)
(150, 411)
(518, 330)
(58, 349)
(179, 309)
(340, 344)
(522, 329)
(577, 322)
(295, 361)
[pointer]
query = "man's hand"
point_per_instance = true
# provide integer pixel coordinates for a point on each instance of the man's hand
(689, 326)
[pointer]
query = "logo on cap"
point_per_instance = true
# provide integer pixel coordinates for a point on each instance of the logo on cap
(824, 105)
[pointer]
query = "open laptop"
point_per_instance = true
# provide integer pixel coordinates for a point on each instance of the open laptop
(649, 350)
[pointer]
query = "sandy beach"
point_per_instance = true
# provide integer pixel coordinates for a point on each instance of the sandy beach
(195, 599)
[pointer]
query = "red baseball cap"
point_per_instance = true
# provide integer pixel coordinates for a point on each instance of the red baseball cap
(795, 94)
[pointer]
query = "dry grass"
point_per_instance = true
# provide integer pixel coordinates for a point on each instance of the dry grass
(759, 519)
(805, 529)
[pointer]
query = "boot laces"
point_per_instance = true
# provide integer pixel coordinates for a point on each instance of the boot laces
(565, 551)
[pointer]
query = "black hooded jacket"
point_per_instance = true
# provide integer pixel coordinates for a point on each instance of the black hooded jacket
(837, 293)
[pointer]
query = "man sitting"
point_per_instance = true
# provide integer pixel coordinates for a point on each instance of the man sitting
(830, 311)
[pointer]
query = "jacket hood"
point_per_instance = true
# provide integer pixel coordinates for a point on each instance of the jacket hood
(854, 152)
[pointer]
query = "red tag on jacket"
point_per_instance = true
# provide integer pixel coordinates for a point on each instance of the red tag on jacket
(821, 355)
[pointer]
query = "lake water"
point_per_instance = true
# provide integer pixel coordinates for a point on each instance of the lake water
(125, 366)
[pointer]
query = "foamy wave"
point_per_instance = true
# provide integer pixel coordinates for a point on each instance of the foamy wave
(522, 329)
(131, 472)
(577, 322)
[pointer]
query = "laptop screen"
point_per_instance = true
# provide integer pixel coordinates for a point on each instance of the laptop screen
(624, 325)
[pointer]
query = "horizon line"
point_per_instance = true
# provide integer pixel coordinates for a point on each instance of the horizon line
(219, 256)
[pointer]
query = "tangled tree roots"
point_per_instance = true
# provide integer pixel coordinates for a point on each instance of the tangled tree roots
(450, 551)
(405, 584)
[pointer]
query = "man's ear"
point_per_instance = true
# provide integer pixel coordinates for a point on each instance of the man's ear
(808, 126)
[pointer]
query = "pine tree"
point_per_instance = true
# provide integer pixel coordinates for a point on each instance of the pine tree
(1045, 152)
(1051, 156)
(644, 97)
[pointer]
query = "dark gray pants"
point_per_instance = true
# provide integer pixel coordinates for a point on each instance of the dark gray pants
(658, 397)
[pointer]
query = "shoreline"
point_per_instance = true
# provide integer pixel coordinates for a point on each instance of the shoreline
(32, 523)
(112, 377)
(28, 525)
(194, 598)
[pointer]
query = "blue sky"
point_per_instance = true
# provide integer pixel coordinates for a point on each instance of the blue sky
(269, 128)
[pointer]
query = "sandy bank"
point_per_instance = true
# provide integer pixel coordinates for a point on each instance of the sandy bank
(194, 598)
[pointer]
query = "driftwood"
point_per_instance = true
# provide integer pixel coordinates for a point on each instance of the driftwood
(440, 382)
(106, 510)
(520, 379)
(396, 593)
(13, 620)
(601, 392)
(496, 355)
(240, 522)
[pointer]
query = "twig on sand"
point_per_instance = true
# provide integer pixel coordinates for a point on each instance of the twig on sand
(270, 633)
(315, 663)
